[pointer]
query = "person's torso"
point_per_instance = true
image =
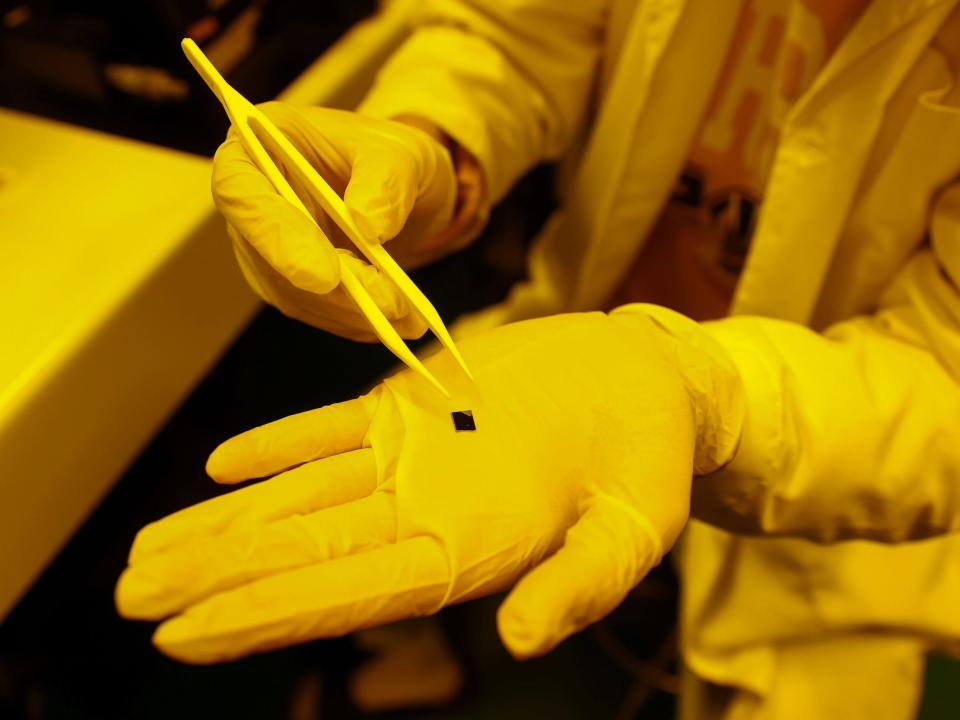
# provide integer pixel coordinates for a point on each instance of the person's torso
(846, 199)
(693, 257)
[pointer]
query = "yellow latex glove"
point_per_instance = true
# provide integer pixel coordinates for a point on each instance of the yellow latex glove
(577, 479)
(398, 183)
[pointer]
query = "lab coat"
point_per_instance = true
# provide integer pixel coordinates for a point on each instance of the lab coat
(845, 324)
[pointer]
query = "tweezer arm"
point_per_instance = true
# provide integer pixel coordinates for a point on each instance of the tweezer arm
(241, 111)
(321, 192)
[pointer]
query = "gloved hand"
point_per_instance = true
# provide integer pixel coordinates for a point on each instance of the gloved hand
(575, 482)
(398, 183)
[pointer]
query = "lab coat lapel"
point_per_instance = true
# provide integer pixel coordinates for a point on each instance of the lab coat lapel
(653, 107)
(824, 145)
(605, 159)
(584, 234)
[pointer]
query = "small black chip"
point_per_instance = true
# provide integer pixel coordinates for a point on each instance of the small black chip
(463, 421)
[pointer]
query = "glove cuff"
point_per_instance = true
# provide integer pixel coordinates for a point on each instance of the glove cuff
(712, 381)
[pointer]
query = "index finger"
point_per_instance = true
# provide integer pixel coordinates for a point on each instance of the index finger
(324, 600)
(305, 489)
(294, 440)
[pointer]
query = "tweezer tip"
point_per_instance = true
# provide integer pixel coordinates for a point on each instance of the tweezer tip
(461, 362)
(436, 383)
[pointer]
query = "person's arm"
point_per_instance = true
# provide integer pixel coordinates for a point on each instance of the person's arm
(491, 89)
(592, 436)
(507, 80)
(854, 433)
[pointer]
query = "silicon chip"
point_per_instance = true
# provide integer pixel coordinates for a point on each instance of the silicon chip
(463, 421)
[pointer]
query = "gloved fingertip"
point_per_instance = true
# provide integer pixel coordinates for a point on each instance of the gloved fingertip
(522, 639)
(188, 640)
(132, 596)
(314, 265)
(320, 278)
(142, 545)
(379, 211)
(221, 465)
(411, 327)
(121, 596)
(374, 227)
(174, 639)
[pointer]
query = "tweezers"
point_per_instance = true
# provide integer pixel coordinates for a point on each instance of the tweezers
(257, 131)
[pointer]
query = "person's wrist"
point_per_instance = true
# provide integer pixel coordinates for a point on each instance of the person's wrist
(470, 191)
(429, 128)
(712, 381)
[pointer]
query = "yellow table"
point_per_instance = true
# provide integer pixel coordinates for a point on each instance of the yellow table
(117, 292)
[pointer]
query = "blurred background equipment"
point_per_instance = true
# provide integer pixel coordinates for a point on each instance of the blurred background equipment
(117, 66)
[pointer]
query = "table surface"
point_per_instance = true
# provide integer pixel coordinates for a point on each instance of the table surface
(117, 291)
(86, 218)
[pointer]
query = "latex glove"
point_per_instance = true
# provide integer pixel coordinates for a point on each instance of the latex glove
(577, 479)
(398, 183)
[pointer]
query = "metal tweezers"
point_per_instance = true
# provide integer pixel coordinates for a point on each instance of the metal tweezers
(258, 135)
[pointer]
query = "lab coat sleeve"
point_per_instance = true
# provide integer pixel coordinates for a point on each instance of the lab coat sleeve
(509, 80)
(855, 432)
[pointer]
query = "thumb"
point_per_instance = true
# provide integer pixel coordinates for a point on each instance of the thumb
(280, 233)
(382, 191)
(605, 554)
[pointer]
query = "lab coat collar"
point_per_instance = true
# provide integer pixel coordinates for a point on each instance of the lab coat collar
(880, 20)
(821, 156)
